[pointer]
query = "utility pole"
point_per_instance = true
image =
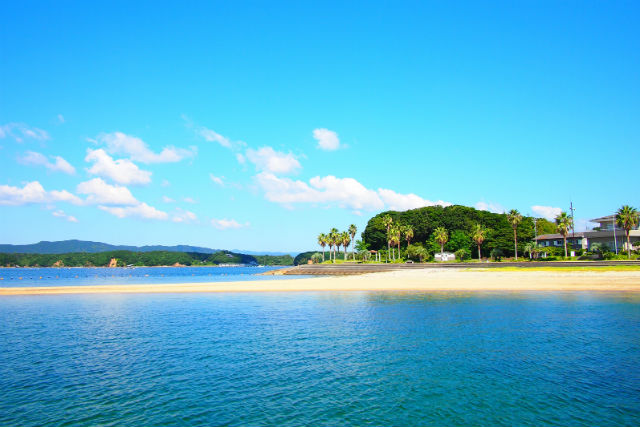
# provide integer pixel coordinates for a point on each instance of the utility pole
(615, 239)
(573, 224)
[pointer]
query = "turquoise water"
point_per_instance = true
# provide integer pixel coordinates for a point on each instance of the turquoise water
(17, 277)
(333, 359)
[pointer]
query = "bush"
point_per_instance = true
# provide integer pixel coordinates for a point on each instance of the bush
(462, 255)
(496, 254)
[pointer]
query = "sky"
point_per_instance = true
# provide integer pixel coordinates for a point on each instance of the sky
(258, 125)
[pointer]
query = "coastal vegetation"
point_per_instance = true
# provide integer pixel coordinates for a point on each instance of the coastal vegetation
(419, 234)
(627, 219)
(124, 258)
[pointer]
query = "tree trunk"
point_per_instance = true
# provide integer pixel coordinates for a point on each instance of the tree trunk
(515, 239)
(565, 246)
(441, 250)
(323, 254)
(628, 245)
(479, 254)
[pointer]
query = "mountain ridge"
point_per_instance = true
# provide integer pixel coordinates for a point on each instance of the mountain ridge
(75, 245)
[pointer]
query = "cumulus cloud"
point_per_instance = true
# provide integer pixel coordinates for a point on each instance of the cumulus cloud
(189, 200)
(122, 171)
(60, 118)
(100, 193)
(33, 192)
(167, 199)
(327, 139)
(269, 160)
(137, 149)
(141, 210)
(224, 224)
(341, 192)
(183, 216)
(20, 132)
(38, 159)
(490, 207)
(62, 214)
(402, 202)
(547, 212)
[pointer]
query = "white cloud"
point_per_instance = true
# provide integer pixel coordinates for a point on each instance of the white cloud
(224, 224)
(346, 192)
(490, 207)
(217, 179)
(136, 149)
(547, 212)
(184, 216)
(99, 192)
(62, 214)
(327, 139)
(58, 165)
(189, 200)
(20, 132)
(212, 136)
(268, 160)
(167, 199)
(33, 192)
(240, 158)
(141, 210)
(341, 192)
(404, 202)
(165, 183)
(61, 118)
(122, 171)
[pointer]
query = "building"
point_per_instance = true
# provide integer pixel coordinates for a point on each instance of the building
(607, 233)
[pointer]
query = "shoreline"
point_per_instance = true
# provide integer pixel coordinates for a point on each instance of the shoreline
(467, 280)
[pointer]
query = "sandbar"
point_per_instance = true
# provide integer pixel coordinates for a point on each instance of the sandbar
(411, 280)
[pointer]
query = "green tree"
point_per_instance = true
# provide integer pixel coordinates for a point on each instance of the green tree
(514, 219)
(322, 241)
(345, 238)
(407, 232)
(317, 258)
(387, 221)
(441, 237)
(627, 218)
(333, 241)
(352, 232)
(479, 234)
(564, 223)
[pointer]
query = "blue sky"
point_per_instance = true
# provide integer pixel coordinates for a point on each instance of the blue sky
(257, 125)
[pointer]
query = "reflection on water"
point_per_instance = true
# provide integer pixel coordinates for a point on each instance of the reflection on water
(329, 358)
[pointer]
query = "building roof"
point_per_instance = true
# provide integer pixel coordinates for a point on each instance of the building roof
(608, 218)
(579, 234)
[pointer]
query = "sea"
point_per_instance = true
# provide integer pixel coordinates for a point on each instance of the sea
(80, 276)
(321, 359)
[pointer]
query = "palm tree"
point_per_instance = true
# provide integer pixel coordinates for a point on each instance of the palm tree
(441, 237)
(352, 231)
(394, 240)
(397, 238)
(627, 218)
(322, 241)
(514, 219)
(479, 234)
(346, 239)
(531, 248)
(333, 241)
(387, 221)
(407, 231)
(564, 223)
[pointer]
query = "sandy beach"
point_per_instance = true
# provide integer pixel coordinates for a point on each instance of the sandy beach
(412, 280)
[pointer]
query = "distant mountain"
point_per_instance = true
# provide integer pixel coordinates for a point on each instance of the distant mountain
(67, 246)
